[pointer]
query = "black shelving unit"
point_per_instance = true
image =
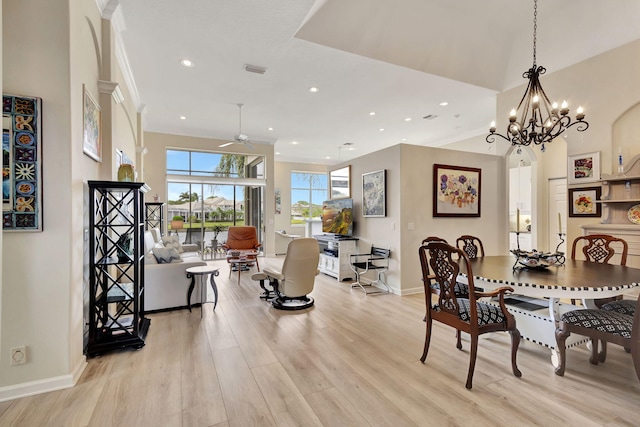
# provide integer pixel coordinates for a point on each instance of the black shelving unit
(154, 217)
(116, 276)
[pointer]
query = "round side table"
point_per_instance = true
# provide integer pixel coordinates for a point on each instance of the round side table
(201, 271)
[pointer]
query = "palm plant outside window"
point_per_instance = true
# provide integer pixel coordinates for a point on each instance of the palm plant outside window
(308, 191)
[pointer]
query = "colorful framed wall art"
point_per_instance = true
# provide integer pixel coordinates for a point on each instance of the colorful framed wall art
(456, 191)
(583, 202)
(21, 163)
(584, 168)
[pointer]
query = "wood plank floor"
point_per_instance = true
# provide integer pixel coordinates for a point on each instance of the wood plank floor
(352, 360)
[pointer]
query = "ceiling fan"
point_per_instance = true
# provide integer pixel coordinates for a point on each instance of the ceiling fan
(240, 138)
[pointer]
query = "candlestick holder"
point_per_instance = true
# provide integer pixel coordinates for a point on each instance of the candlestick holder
(537, 260)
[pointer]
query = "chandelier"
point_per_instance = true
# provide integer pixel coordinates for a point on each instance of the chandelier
(536, 120)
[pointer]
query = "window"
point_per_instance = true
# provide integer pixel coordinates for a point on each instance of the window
(199, 163)
(308, 191)
(209, 189)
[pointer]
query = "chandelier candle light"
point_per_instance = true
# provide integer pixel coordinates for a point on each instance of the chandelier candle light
(536, 120)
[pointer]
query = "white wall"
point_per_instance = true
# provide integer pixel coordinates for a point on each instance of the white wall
(36, 286)
(42, 289)
(417, 207)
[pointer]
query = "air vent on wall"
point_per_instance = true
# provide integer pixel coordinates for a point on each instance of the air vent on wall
(254, 69)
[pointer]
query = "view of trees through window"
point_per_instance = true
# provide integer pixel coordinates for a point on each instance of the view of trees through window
(308, 191)
(210, 200)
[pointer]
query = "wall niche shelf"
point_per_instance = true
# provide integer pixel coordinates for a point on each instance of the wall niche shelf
(619, 193)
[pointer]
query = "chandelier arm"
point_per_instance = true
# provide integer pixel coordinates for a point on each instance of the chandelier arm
(491, 138)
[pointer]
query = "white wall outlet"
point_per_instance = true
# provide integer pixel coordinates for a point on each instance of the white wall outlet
(411, 226)
(18, 355)
(393, 225)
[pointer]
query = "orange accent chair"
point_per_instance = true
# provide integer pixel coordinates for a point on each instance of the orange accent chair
(244, 240)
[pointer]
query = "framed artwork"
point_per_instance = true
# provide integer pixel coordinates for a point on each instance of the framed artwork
(340, 183)
(456, 191)
(584, 168)
(278, 202)
(21, 163)
(7, 162)
(374, 194)
(92, 140)
(582, 202)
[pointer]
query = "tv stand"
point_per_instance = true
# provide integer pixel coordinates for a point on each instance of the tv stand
(335, 254)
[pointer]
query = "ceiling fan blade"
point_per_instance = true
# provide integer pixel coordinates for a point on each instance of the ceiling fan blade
(250, 145)
(226, 144)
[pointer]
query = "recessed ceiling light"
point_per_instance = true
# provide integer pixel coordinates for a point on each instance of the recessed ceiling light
(373, 113)
(381, 129)
(277, 153)
(407, 119)
(294, 142)
(313, 89)
(269, 128)
(351, 148)
(444, 103)
(187, 63)
(183, 118)
(404, 139)
(328, 157)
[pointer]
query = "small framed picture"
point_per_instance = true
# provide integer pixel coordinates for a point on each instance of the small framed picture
(92, 139)
(583, 202)
(584, 168)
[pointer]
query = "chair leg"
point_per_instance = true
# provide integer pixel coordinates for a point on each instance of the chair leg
(561, 338)
(515, 343)
(594, 352)
(459, 339)
(602, 356)
(472, 360)
(427, 338)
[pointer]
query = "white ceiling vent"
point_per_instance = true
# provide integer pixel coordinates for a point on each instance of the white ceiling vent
(254, 69)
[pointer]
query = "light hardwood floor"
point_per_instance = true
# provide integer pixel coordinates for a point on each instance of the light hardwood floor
(352, 360)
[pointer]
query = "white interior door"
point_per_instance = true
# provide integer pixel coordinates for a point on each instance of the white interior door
(557, 205)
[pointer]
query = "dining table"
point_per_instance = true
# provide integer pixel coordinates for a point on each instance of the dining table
(536, 301)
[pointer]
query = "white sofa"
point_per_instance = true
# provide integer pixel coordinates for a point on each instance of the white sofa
(166, 284)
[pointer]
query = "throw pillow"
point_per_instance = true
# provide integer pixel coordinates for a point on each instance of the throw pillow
(166, 255)
(172, 242)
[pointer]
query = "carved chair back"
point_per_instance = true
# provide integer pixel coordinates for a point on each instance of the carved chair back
(471, 245)
(601, 248)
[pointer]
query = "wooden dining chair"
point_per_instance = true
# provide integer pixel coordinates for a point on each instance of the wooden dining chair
(600, 326)
(600, 248)
(463, 314)
(471, 245)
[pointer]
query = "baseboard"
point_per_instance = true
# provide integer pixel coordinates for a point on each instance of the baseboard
(31, 388)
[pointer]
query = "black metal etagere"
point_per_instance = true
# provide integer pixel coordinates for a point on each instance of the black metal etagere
(116, 258)
(154, 217)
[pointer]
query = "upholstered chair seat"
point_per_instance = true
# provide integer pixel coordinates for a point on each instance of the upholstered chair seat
(609, 322)
(624, 306)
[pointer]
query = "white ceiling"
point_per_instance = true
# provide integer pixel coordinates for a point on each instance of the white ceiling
(399, 58)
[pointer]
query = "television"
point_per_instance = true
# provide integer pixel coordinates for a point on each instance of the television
(337, 217)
